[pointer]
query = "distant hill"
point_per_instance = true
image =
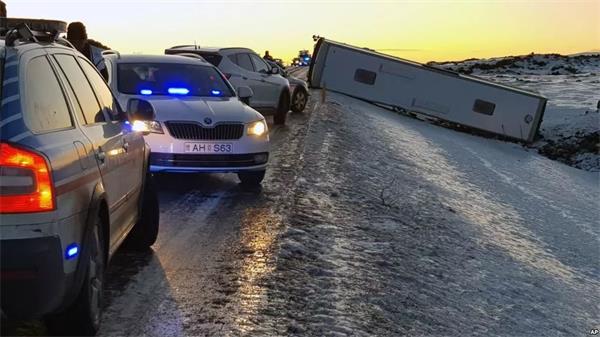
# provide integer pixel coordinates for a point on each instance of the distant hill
(533, 64)
(589, 52)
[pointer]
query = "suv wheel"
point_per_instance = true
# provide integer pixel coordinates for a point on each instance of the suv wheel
(82, 318)
(299, 100)
(282, 109)
(251, 179)
(144, 233)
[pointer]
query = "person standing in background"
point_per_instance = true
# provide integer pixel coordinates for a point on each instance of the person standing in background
(268, 56)
(2, 9)
(77, 36)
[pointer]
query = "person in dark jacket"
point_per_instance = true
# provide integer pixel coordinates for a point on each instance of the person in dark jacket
(268, 56)
(77, 36)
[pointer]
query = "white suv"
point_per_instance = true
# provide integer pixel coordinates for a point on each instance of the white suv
(243, 67)
(200, 124)
(73, 181)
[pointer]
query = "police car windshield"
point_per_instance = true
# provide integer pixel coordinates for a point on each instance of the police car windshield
(171, 79)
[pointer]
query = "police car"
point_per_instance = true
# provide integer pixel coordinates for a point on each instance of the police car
(201, 124)
(73, 180)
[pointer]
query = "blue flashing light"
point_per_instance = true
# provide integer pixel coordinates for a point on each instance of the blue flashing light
(146, 92)
(215, 92)
(307, 58)
(178, 91)
(71, 251)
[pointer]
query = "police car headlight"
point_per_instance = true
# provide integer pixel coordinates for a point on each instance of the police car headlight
(257, 128)
(147, 126)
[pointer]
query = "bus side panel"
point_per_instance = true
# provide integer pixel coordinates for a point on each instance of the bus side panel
(445, 95)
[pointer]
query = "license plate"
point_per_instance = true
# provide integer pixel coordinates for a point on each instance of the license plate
(208, 147)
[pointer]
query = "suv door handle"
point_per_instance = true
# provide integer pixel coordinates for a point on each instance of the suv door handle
(100, 155)
(244, 78)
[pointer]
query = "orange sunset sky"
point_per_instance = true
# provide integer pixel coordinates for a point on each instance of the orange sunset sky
(418, 30)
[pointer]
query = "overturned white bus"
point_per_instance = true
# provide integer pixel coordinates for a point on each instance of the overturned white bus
(447, 95)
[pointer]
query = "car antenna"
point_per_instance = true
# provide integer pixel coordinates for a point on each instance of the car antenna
(195, 45)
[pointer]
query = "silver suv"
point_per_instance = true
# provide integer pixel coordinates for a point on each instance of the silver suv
(73, 181)
(244, 68)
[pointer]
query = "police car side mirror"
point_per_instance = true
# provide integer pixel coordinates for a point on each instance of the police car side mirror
(275, 70)
(245, 93)
(140, 110)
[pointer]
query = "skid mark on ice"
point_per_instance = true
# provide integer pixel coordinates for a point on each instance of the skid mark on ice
(257, 244)
(499, 223)
(559, 208)
(498, 219)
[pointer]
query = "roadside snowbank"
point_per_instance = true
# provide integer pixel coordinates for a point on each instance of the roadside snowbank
(533, 64)
(570, 130)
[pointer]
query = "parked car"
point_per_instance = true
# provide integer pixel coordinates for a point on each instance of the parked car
(200, 125)
(298, 89)
(243, 67)
(73, 181)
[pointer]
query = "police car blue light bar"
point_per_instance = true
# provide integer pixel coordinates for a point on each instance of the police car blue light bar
(178, 91)
(146, 92)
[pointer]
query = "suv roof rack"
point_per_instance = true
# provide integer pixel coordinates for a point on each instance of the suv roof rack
(190, 55)
(184, 45)
(32, 30)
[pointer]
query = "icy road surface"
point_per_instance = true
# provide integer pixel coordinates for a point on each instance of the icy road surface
(370, 223)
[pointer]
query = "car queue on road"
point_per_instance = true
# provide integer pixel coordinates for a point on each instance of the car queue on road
(76, 169)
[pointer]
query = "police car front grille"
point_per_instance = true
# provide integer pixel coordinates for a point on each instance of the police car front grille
(193, 131)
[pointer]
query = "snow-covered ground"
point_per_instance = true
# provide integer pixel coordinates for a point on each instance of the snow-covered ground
(570, 128)
(571, 124)
(533, 64)
(405, 228)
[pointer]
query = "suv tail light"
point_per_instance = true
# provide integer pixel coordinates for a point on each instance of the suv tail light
(25, 181)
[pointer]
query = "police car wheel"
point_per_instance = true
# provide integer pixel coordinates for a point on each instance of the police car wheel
(251, 179)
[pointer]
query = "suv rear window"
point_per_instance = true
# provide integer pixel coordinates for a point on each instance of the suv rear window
(214, 59)
(245, 62)
(47, 108)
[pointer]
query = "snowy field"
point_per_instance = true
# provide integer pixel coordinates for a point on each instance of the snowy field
(570, 129)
